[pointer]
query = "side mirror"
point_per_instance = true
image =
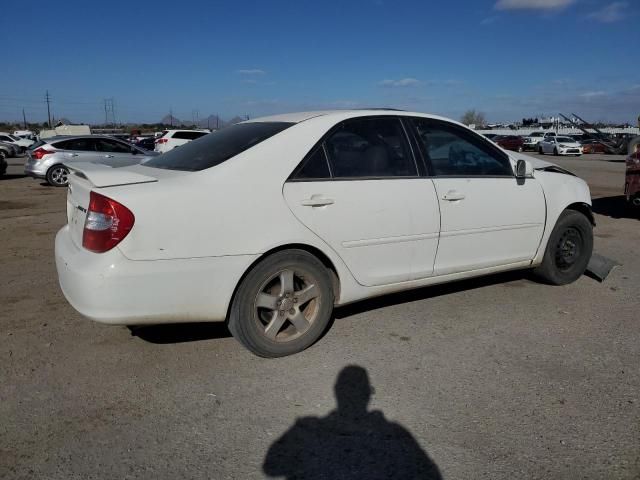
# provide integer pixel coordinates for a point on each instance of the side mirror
(523, 169)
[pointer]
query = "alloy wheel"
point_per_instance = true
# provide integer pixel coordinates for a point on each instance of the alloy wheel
(287, 305)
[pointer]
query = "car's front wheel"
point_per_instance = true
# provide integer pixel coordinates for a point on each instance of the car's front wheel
(540, 151)
(58, 176)
(283, 305)
(568, 250)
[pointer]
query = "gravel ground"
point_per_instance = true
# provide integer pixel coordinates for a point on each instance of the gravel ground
(498, 378)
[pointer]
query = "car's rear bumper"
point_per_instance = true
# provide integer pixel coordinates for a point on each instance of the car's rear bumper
(110, 288)
(35, 168)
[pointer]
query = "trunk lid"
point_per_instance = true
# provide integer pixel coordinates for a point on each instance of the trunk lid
(84, 177)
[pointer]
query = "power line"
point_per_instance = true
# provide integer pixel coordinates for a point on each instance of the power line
(109, 112)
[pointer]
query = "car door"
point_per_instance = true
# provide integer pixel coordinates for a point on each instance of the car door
(360, 191)
(488, 217)
(115, 153)
(81, 149)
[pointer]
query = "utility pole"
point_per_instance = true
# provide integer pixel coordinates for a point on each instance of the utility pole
(48, 109)
(24, 119)
(109, 112)
(218, 122)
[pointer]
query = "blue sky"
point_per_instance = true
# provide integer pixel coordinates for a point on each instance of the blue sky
(507, 58)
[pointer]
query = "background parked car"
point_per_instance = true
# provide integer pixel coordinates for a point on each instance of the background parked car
(592, 146)
(10, 149)
(3, 166)
(22, 143)
(171, 139)
(510, 142)
(531, 141)
(560, 146)
(49, 158)
(148, 143)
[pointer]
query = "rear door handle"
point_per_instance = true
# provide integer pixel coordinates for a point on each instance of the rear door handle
(108, 156)
(316, 201)
(453, 195)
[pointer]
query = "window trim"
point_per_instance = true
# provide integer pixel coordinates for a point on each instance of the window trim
(334, 129)
(465, 134)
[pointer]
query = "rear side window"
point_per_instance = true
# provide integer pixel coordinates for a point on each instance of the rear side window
(215, 148)
(189, 135)
(77, 144)
(314, 167)
(370, 147)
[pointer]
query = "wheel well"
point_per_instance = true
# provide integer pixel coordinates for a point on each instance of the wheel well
(585, 209)
(335, 280)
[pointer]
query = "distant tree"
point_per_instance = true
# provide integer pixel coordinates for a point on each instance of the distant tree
(472, 117)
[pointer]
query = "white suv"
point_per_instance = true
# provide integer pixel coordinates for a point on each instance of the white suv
(171, 139)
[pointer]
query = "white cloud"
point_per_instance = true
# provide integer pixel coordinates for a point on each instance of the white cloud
(610, 13)
(532, 4)
(251, 71)
(403, 82)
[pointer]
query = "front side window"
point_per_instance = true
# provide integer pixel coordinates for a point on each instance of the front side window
(370, 147)
(451, 151)
(77, 144)
(111, 146)
(215, 148)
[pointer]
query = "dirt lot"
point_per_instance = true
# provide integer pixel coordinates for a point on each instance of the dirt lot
(498, 378)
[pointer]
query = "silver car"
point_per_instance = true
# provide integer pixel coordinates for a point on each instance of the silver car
(10, 149)
(48, 159)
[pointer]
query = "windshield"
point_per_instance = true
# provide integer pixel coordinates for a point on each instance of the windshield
(213, 149)
(565, 139)
(537, 134)
(15, 138)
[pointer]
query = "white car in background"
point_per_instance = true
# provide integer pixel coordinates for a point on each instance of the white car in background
(21, 143)
(171, 139)
(269, 223)
(560, 146)
(531, 141)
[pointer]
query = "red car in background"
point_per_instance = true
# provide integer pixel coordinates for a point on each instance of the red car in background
(509, 142)
(632, 177)
(592, 146)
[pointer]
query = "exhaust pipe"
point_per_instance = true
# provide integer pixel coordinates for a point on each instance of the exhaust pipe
(636, 201)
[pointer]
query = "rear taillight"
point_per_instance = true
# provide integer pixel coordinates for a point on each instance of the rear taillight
(39, 153)
(162, 140)
(106, 225)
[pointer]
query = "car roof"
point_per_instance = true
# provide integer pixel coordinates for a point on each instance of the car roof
(70, 137)
(298, 117)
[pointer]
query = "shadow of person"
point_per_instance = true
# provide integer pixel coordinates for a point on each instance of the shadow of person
(349, 443)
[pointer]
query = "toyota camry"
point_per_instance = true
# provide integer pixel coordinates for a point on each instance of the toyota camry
(270, 223)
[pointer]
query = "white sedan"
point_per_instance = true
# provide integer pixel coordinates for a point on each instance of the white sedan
(560, 146)
(270, 223)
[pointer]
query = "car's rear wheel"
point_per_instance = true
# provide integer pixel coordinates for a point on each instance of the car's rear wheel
(555, 152)
(57, 176)
(519, 149)
(283, 305)
(568, 250)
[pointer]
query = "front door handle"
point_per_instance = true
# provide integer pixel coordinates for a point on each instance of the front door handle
(108, 156)
(317, 201)
(453, 196)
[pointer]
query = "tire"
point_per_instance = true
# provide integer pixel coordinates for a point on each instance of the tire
(3, 156)
(520, 149)
(540, 151)
(57, 175)
(283, 305)
(555, 152)
(568, 250)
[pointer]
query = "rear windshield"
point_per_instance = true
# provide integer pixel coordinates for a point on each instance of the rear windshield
(215, 148)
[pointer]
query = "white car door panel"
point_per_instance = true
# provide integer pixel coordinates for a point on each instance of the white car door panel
(384, 230)
(497, 222)
(488, 217)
